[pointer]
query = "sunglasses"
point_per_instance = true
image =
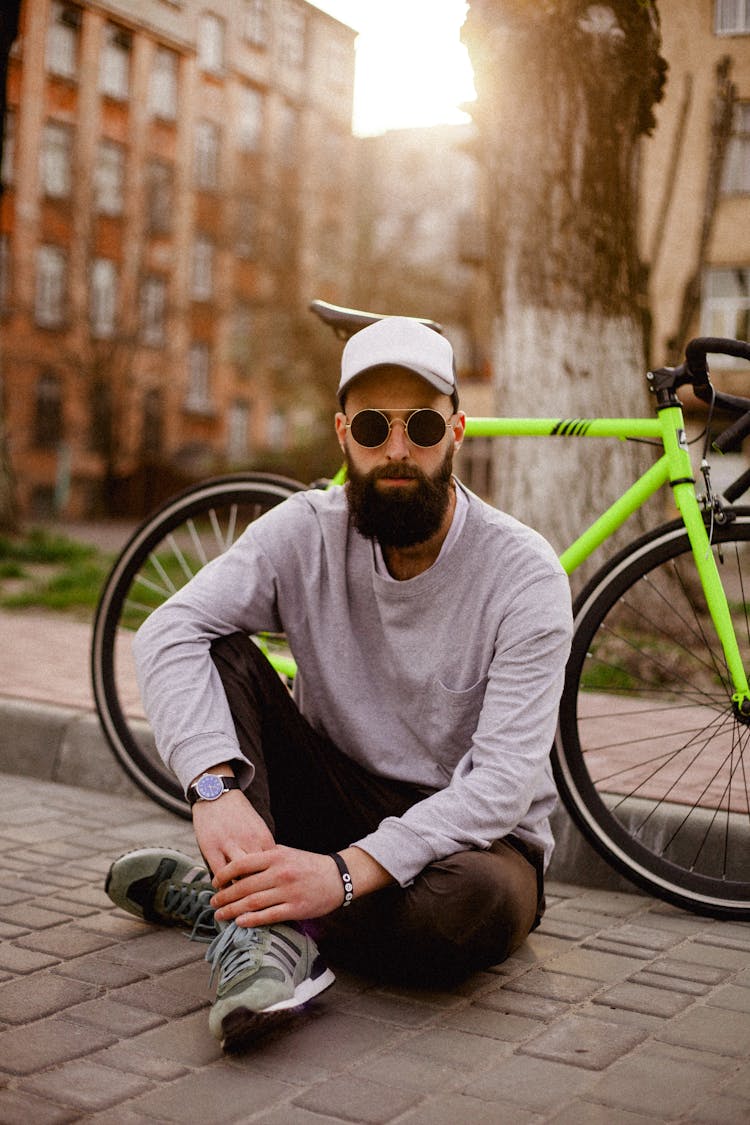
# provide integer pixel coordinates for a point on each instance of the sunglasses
(424, 427)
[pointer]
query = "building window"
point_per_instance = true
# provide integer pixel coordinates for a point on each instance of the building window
(276, 431)
(152, 434)
(153, 302)
(9, 148)
(256, 22)
(103, 298)
(211, 43)
(101, 417)
(51, 286)
(57, 160)
(244, 354)
(291, 34)
(160, 194)
(109, 179)
(737, 167)
(246, 235)
(114, 74)
(287, 135)
(202, 281)
(726, 307)
(250, 124)
(732, 17)
(162, 94)
(63, 35)
(199, 378)
(206, 168)
(47, 412)
(5, 276)
(238, 427)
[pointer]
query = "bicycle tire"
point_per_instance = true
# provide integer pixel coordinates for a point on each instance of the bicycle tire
(665, 798)
(161, 555)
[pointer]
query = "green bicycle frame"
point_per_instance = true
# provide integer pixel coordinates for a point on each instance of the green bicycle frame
(673, 466)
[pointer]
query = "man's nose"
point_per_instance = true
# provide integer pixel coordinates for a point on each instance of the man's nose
(397, 445)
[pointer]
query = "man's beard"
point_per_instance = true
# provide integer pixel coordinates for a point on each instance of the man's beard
(399, 517)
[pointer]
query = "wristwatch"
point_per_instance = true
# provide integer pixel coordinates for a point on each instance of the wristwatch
(210, 787)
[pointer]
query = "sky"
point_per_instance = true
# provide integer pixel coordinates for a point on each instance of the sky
(411, 67)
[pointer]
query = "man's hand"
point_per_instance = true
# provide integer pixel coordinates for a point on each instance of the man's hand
(228, 828)
(277, 884)
(283, 884)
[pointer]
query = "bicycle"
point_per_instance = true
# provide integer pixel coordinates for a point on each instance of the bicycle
(651, 754)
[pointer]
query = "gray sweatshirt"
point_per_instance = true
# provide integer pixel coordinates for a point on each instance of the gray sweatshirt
(450, 680)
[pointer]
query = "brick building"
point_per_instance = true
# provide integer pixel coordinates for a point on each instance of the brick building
(178, 184)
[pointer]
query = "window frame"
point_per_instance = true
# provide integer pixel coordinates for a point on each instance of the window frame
(56, 159)
(109, 178)
(741, 25)
(202, 267)
(736, 175)
(207, 155)
(211, 44)
(117, 48)
(164, 83)
(50, 286)
(160, 194)
(198, 390)
(104, 284)
(256, 24)
(152, 310)
(720, 313)
(63, 40)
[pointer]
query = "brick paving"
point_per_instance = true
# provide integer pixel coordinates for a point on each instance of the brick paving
(619, 1010)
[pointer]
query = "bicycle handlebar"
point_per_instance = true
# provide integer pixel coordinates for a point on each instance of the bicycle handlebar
(697, 351)
(696, 370)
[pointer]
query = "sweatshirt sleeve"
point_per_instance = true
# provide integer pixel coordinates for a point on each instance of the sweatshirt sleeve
(504, 778)
(181, 690)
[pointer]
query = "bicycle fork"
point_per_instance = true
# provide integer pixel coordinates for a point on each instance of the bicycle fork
(683, 486)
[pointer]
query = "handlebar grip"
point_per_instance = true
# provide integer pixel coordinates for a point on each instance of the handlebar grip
(733, 434)
(698, 349)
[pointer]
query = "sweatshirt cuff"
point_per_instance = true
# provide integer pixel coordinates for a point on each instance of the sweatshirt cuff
(398, 849)
(199, 754)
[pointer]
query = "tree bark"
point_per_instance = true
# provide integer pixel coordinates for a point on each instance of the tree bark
(565, 91)
(9, 16)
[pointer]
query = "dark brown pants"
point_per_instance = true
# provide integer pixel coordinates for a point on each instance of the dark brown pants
(463, 913)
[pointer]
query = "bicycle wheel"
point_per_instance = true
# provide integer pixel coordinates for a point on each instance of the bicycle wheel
(161, 556)
(651, 759)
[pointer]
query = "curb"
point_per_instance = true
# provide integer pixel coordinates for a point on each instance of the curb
(67, 745)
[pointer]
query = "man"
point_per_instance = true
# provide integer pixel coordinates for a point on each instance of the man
(408, 781)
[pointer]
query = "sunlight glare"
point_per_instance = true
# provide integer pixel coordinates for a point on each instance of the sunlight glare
(411, 67)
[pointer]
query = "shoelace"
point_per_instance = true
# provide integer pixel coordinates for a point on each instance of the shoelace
(236, 949)
(184, 900)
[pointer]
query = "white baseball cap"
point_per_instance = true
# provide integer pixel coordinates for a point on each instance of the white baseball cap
(400, 341)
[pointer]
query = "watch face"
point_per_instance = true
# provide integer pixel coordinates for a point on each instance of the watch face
(209, 787)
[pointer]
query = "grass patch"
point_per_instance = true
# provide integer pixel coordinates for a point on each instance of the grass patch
(42, 570)
(41, 546)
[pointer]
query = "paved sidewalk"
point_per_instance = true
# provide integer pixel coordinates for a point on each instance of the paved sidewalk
(619, 1010)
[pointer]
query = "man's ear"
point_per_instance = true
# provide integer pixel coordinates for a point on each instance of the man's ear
(459, 427)
(340, 421)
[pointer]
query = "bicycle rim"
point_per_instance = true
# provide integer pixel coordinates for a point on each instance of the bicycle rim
(650, 758)
(161, 556)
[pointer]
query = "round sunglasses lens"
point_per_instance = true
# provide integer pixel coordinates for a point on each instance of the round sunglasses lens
(426, 427)
(369, 428)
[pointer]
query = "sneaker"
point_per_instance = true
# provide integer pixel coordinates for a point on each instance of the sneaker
(163, 886)
(263, 972)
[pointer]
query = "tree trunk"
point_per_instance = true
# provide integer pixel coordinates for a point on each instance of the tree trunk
(8, 31)
(565, 90)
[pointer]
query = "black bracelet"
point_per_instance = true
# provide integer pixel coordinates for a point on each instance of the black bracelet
(345, 878)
